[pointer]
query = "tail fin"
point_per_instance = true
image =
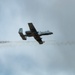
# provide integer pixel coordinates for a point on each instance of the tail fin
(21, 34)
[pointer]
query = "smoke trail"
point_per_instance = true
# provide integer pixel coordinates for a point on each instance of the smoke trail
(1, 42)
(47, 42)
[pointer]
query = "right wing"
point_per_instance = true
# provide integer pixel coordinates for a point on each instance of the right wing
(32, 28)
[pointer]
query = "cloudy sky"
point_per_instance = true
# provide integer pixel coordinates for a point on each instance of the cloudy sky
(56, 56)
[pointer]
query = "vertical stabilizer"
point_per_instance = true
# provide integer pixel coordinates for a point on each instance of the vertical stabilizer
(21, 34)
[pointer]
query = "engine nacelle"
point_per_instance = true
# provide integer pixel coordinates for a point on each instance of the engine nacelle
(28, 33)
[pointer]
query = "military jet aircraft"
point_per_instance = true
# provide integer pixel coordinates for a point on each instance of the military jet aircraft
(33, 32)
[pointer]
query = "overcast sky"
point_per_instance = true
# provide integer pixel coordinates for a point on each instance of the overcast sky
(56, 56)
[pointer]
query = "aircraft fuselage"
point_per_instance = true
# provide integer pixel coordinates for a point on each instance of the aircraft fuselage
(30, 34)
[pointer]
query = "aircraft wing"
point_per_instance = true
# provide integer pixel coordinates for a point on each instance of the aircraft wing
(32, 28)
(38, 39)
(35, 33)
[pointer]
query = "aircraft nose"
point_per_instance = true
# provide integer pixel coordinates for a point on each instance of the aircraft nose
(51, 32)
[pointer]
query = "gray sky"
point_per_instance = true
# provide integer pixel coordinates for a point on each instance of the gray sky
(56, 55)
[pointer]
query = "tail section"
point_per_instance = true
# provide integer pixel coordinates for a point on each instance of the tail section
(21, 34)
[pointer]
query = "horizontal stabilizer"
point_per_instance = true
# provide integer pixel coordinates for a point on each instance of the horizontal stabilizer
(21, 34)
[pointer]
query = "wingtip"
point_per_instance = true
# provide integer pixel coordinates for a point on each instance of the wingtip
(41, 42)
(30, 23)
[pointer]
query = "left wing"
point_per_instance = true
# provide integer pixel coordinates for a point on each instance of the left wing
(38, 39)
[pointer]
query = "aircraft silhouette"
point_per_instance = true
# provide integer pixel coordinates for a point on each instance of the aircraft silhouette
(33, 32)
